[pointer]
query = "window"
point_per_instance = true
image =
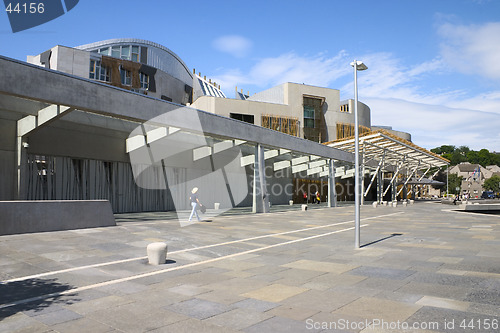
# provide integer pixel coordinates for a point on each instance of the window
(104, 51)
(126, 77)
(97, 71)
(135, 53)
(309, 116)
(125, 54)
(286, 125)
(115, 51)
(248, 118)
(344, 108)
(144, 81)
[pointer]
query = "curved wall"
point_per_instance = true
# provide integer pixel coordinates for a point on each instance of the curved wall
(158, 56)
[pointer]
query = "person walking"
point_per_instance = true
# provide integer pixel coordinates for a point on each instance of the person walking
(193, 198)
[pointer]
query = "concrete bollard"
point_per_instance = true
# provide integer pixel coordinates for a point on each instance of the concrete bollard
(412, 202)
(394, 204)
(404, 203)
(304, 207)
(374, 204)
(290, 202)
(216, 205)
(157, 253)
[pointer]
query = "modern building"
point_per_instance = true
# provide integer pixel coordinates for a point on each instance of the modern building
(125, 120)
(313, 113)
(132, 64)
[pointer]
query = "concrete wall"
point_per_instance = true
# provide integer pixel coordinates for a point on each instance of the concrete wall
(274, 95)
(71, 61)
(171, 87)
(7, 158)
(18, 217)
(67, 60)
(290, 95)
(225, 107)
(402, 135)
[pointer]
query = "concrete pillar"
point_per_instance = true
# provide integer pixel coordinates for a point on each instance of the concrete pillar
(394, 191)
(332, 193)
(380, 186)
(260, 196)
(21, 163)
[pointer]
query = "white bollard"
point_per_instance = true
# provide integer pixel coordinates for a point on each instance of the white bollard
(304, 207)
(404, 203)
(216, 205)
(394, 204)
(374, 204)
(157, 253)
(290, 202)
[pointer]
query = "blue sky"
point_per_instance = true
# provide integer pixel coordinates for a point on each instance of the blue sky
(434, 66)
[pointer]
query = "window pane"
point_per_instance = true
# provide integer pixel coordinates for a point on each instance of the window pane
(309, 123)
(104, 51)
(135, 49)
(92, 69)
(115, 52)
(126, 52)
(122, 75)
(308, 111)
(135, 57)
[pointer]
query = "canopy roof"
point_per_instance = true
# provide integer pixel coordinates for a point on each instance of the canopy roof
(383, 146)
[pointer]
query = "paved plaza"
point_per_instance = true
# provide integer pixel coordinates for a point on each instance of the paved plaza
(422, 268)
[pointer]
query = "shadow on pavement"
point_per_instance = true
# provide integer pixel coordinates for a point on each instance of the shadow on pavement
(31, 295)
(380, 240)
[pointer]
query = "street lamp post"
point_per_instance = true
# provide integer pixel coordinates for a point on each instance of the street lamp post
(358, 66)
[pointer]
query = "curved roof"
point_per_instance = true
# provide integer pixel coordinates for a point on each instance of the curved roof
(159, 56)
(381, 144)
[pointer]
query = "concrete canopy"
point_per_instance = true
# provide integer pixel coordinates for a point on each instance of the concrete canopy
(44, 85)
(124, 121)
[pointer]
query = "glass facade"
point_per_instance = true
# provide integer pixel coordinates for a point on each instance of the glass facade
(144, 79)
(126, 77)
(313, 119)
(97, 71)
(127, 52)
(309, 116)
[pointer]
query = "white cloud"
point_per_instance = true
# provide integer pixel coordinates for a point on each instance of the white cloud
(235, 45)
(434, 125)
(319, 70)
(473, 49)
(395, 92)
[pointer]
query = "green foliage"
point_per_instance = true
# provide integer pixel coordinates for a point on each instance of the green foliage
(492, 183)
(444, 150)
(464, 154)
(454, 182)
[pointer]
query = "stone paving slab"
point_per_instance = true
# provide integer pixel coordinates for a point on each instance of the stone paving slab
(419, 264)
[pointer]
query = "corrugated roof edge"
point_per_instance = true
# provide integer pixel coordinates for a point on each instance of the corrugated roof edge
(136, 41)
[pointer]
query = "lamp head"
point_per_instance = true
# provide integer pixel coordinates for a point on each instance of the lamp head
(360, 66)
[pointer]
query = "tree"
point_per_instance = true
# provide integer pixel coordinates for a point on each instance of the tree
(484, 157)
(492, 183)
(444, 149)
(454, 182)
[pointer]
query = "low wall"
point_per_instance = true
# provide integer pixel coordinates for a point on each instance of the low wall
(19, 217)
